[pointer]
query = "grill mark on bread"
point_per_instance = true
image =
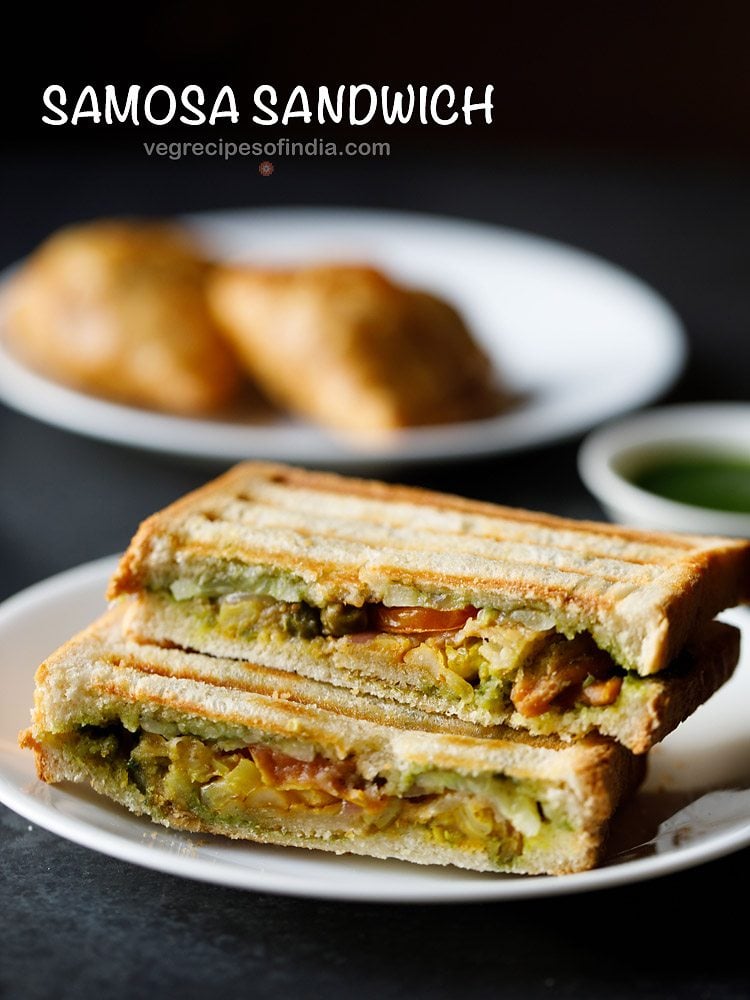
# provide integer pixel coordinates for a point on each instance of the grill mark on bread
(411, 500)
(502, 531)
(302, 479)
(431, 543)
(267, 682)
(285, 548)
(194, 504)
(639, 593)
(417, 578)
(276, 684)
(239, 480)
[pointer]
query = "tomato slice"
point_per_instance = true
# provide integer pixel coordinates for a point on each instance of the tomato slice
(409, 620)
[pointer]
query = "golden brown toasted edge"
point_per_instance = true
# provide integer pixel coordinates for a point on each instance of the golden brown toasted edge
(611, 777)
(715, 575)
(705, 665)
(128, 577)
(715, 651)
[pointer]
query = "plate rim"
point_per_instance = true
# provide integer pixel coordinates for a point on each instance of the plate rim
(221, 872)
(38, 396)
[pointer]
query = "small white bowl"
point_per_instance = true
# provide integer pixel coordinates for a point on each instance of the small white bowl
(609, 455)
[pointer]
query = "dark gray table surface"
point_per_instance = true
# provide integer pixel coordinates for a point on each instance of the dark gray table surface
(73, 921)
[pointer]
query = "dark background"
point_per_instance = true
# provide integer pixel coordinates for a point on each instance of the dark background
(622, 129)
(661, 79)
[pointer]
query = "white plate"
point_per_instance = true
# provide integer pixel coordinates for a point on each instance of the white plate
(697, 792)
(578, 338)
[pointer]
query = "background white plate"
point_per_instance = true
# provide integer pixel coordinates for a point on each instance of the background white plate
(695, 804)
(578, 338)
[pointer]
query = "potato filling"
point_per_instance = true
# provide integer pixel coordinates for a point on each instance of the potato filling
(260, 784)
(474, 655)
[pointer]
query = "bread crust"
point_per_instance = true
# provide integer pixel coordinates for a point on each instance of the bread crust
(99, 676)
(640, 594)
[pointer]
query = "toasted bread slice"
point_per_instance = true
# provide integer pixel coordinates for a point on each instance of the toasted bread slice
(322, 539)
(217, 746)
(642, 712)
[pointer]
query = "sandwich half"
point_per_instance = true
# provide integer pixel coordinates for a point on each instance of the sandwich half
(205, 744)
(493, 615)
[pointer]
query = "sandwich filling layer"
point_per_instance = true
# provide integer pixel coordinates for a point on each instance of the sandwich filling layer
(240, 787)
(490, 660)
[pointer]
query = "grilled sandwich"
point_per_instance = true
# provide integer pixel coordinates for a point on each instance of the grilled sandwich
(221, 746)
(454, 607)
